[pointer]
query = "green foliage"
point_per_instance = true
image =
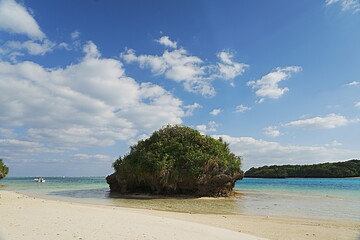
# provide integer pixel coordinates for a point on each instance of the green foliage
(4, 170)
(349, 168)
(175, 153)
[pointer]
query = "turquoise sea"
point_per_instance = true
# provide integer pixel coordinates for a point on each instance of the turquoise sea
(325, 199)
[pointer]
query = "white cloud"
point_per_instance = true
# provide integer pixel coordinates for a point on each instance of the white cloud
(191, 108)
(257, 152)
(7, 133)
(268, 85)
(165, 40)
(215, 111)
(176, 65)
(357, 104)
(135, 140)
(330, 121)
(228, 69)
(272, 131)
(75, 35)
(353, 5)
(91, 103)
(64, 45)
(95, 158)
(354, 120)
(75, 44)
(241, 108)
(91, 50)
(81, 136)
(11, 148)
(210, 127)
(31, 46)
(201, 127)
(334, 144)
(353, 83)
(180, 66)
(16, 19)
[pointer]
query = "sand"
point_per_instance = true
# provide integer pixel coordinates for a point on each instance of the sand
(23, 217)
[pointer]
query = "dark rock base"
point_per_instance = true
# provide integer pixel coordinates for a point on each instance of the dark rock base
(212, 186)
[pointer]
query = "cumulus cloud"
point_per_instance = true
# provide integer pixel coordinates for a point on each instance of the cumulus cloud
(357, 104)
(210, 127)
(136, 139)
(91, 103)
(353, 5)
(241, 108)
(268, 85)
(32, 47)
(334, 144)
(182, 67)
(176, 65)
(75, 35)
(215, 111)
(95, 157)
(80, 136)
(227, 68)
(329, 121)
(191, 108)
(11, 148)
(257, 152)
(165, 40)
(15, 18)
(353, 83)
(201, 127)
(91, 50)
(7, 133)
(272, 131)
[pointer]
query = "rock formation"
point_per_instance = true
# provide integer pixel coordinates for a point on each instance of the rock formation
(177, 160)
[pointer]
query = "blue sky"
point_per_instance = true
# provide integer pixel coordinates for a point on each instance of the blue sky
(81, 81)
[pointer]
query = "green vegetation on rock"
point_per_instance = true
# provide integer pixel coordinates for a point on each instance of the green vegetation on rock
(4, 170)
(177, 160)
(349, 168)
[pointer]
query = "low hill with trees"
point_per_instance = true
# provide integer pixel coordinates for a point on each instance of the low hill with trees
(3, 169)
(349, 168)
(177, 160)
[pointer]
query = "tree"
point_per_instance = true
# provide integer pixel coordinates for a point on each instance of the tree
(177, 160)
(4, 170)
(349, 168)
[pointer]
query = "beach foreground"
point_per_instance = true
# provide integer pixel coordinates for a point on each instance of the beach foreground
(24, 217)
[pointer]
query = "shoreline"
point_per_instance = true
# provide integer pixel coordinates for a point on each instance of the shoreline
(25, 217)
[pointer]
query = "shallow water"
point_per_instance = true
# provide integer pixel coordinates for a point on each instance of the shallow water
(332, 199)
(326, 199)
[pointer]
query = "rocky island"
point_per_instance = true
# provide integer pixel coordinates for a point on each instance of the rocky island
(177, 160)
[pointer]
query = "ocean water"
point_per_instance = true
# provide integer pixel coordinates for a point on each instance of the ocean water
(325, 199)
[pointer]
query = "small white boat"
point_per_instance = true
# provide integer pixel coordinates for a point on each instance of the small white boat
(40, 179)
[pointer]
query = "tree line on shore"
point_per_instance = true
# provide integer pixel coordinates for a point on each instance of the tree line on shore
(3, 169)
(349, 168)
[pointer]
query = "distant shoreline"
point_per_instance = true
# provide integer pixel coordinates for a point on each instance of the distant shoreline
(346, 169)
(301, 177)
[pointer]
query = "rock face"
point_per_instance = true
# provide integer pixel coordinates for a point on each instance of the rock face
(214, 186)
(177, 160)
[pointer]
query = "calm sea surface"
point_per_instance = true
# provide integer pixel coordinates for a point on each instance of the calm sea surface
(326, 199)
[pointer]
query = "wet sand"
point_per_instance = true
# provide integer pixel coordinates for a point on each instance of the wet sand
(24, 217)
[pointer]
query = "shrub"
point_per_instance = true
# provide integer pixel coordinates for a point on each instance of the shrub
(4, 170)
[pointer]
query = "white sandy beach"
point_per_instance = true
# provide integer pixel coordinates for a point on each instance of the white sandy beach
(23, 217)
